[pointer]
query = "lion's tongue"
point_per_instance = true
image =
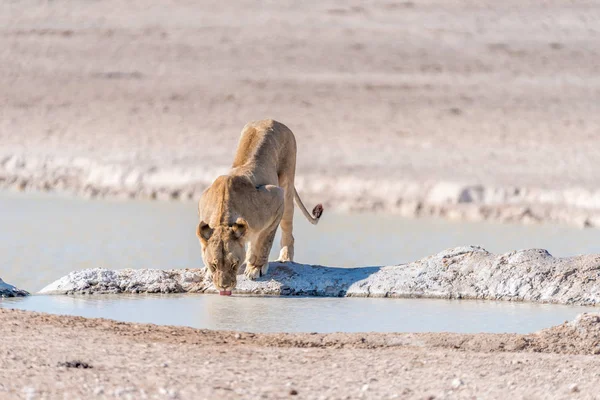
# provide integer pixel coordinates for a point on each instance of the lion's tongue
(225, 292)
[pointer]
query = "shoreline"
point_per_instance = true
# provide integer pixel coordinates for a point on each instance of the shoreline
(102, 358)
(554, 339)
(444, 199)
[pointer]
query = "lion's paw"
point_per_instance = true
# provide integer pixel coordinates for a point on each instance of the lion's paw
(254, 271)
(284, 255)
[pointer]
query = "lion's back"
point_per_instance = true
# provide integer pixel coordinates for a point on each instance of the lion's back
(262, 140)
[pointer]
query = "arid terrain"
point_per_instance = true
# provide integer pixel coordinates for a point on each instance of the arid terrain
(463, 109)
(47, 356)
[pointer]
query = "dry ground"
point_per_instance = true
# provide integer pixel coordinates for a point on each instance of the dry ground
(148, 361)
(503, 94)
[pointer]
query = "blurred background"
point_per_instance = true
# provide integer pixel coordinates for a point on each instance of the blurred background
(407, 106)
(456, 110)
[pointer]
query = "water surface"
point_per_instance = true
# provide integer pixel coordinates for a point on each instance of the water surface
(307, 314)
(44, 237)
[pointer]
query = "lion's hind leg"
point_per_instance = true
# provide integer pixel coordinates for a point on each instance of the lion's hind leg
(286, 253)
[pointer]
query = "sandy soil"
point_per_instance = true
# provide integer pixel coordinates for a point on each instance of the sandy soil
(480, 110)
(39, 355)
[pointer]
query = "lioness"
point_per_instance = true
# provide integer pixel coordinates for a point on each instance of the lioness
(246, 206)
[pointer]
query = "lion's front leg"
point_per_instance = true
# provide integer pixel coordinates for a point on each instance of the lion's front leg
(257, 263)
(257, 259)
(207, 270)
(250, 257)
(207, 273)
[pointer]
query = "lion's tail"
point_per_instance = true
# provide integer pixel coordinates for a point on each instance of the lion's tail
(316, 212)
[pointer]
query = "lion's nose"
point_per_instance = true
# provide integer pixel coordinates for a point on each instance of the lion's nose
(224, 284)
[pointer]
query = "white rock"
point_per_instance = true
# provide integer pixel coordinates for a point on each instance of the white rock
(29, 392)
(14, 163)
(456, 383)
(99, 390)
(573, 388)
(464, 272)
(445, 193)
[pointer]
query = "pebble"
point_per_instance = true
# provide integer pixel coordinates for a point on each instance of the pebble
(456, 383)
(574, 388)
(238, 336)
(364, 387)
(29, 393)
(99, 390)
(171, 393)
(126, 392)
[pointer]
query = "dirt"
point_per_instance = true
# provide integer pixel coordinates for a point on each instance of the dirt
(149, 361)
(466, 110)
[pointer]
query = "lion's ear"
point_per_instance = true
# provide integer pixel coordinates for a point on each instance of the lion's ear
(239, 228)
(203, 231)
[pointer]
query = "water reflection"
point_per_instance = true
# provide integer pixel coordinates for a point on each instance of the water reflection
(297, 314)
(45, 237)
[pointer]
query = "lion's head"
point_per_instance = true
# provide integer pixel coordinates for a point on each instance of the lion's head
(223, 251)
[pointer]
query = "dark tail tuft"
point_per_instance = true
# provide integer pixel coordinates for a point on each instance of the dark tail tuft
(317, 211)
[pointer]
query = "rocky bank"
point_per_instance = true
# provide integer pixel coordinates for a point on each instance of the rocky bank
(447, 199)
(7, 290)
(459, 273)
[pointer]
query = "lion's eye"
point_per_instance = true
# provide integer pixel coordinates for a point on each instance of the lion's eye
(234, 265)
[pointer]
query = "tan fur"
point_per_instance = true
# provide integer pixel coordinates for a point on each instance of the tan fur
(246, 206)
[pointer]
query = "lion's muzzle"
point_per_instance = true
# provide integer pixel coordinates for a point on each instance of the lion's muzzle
(224, 281)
